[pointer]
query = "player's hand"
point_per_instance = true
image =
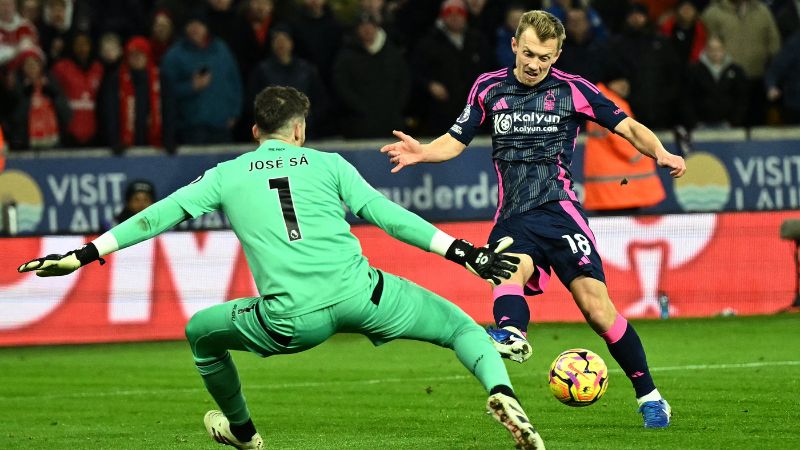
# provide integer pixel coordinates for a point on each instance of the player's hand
(406, 152)
(58, 265)
(486, 262)
(675, 163)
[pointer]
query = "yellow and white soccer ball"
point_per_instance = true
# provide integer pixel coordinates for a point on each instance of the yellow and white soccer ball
(578, 377)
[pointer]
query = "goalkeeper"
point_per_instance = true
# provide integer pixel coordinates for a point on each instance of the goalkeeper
(284, 203)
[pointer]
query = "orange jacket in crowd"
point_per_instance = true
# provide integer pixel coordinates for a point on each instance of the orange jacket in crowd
(2, 151)
(610, 159)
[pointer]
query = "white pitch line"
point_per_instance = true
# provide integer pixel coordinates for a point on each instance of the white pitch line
(317, 384)
(720, 366)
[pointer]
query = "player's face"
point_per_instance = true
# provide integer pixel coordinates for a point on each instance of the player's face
(534, 57)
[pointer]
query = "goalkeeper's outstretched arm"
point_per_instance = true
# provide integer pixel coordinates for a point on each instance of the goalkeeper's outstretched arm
(152, 221)
(146, 224)
(487, 262)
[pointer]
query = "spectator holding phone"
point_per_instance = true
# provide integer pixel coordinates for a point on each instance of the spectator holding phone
(202, 88)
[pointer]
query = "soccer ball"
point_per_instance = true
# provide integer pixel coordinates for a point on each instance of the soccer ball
(578, 377)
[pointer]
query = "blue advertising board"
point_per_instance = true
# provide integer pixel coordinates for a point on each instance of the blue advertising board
(56, 195)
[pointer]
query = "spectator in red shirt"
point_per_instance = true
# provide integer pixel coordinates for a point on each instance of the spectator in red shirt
(16, 32)
(686, 30)
(130, 100)
(79, 76)
(40, 111)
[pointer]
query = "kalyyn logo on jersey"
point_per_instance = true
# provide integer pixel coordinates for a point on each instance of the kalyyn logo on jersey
(536, 118)
(502, 123)
(518, 122)
(464, 115)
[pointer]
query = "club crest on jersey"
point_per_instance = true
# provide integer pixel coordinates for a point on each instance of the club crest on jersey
(464, 115)
(549, 101)
(502, 123)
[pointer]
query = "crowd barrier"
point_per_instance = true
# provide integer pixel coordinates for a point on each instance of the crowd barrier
(706, 263)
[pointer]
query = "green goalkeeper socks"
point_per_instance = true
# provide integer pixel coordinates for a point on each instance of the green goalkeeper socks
(478, 355)
(222, 382)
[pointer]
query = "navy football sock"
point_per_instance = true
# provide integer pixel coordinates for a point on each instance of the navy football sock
(626, 347)
(510, 307)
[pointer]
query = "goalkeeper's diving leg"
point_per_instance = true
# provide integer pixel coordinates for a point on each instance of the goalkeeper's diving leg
(211, 334)
(408, 311)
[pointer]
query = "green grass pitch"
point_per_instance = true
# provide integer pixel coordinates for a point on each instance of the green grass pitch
(732, 382)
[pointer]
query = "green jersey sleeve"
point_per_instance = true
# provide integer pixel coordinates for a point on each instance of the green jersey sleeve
(399, 222)
(353, 188)
(152, 221)
(202, 195)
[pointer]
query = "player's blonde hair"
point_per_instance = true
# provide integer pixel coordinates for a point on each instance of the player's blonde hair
(545, 25)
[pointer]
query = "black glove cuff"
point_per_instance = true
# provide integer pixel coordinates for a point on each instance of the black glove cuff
(87, 254)
(458, 251)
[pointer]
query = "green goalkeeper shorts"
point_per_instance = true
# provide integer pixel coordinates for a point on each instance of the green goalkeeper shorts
(392, 308)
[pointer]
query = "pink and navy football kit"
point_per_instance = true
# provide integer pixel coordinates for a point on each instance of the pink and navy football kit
(534, 132)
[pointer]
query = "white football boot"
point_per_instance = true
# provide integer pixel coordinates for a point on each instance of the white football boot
(508, 411)
(219, 429)
(511, 343)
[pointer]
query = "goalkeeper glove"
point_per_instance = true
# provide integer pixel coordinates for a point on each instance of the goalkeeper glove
(486, 262)
(57, 265)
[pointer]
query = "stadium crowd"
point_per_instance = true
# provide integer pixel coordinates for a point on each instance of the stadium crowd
(164, 73)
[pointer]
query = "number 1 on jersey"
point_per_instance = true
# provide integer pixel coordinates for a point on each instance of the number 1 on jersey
(287, 207)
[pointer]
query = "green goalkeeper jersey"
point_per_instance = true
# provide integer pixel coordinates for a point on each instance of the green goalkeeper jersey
(285, 205)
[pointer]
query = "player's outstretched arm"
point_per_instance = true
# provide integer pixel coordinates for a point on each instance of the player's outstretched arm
(408, 151)
(647, 143)
(153, 220)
